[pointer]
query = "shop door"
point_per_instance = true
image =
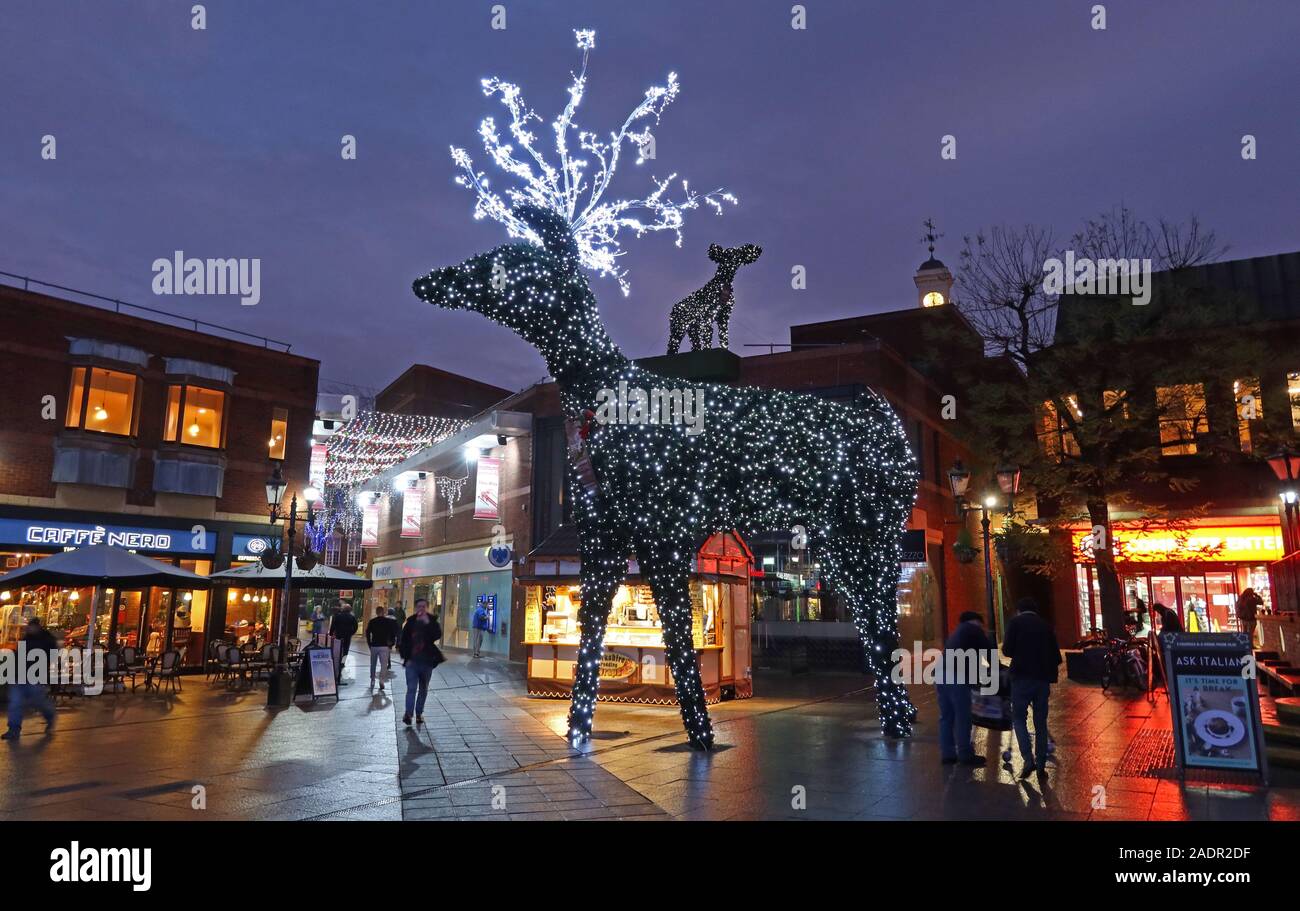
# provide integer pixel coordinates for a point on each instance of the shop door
(1221, 590)
(1164, 590)
(740, 633)
(1196, 617)
(1137, 588)
(127, 609)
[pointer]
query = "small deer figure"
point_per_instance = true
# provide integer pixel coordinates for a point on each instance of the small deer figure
(761, 460)
(695, 314)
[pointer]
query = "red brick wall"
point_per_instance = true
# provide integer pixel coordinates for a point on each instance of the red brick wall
(34, 362)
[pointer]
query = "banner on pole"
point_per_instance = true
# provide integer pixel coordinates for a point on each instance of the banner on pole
(412, 508)
(370, 526)
(487, 489)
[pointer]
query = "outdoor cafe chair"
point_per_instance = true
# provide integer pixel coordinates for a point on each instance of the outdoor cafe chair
(213, 665)
(168, 668)
(232, 665)
(131, 659)
(264, 663)
(116, 671)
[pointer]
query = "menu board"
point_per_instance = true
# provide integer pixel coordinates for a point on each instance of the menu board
(1214, 698)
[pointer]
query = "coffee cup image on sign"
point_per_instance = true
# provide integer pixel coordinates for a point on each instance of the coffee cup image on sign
(1214, 725)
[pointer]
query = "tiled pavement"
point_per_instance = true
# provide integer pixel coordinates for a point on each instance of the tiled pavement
(806, 747)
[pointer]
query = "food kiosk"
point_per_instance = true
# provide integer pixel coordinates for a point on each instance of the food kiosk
(635, 667)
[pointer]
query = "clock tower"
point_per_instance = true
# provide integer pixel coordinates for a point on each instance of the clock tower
(933, 280)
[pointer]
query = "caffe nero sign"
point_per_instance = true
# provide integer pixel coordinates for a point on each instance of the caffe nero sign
(47, 534)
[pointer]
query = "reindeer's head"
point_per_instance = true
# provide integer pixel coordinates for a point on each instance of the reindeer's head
(538, 291)
(732, 258)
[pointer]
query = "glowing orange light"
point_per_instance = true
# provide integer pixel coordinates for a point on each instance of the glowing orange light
(1218, 544)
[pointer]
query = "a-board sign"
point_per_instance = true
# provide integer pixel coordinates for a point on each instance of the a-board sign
(1214, 698)
(316, 673)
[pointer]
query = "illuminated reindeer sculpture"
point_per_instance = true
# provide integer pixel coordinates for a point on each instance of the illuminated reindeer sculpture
(761, 460)
(695, 314)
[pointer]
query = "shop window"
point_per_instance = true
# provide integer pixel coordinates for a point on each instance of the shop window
(194, 416)
(103, 401)
(279, 428)
(1250, 408)
(1293, 392)
(1115, 404)
(1054, 437)
(1182, 417)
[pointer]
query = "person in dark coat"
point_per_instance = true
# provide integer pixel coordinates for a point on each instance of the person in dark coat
(1035, 656)
(420, 655)
(343, 627)
(382, 633)
(1248, 606)
(967, 640)
(1169, 622)
(36, 638)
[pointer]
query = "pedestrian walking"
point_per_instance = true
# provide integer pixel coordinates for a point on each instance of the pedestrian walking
(36, 639)
(343, 627)
(480, 623)
(967, 640)
(1035, 656)
(1248, 606)
(382, 633)
(420, 655)
(319, 626)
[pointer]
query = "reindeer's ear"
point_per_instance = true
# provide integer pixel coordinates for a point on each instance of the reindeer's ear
(551, 227)
(715, 253)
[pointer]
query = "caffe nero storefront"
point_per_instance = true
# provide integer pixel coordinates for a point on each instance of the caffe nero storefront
(152, 620)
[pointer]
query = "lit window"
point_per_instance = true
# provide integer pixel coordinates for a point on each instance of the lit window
(1053, 436)
(279, 427)
(1250, 408)
(1115, 403)
(194, 416)
(332, 550)
(1293, 390)
(354, 552)
(102, 400)
(1182, 417)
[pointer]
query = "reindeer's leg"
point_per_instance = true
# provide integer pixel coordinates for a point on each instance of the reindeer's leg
(864, 565)
(676, 331)
(604, 564)
(669, 575)
(724, 322)
(696, 332)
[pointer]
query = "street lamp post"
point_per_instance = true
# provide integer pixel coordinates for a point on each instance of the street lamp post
(1008, 477)
(280, 688)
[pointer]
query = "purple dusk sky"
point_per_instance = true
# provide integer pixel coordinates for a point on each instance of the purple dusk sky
(225, 143)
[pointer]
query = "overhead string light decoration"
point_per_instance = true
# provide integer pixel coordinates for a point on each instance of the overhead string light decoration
(758, 460)
(566, 187)
(375, 441)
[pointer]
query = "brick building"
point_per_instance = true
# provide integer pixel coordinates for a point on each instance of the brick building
(128, 425)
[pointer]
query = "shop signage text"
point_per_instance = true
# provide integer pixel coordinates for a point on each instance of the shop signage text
(76, 534)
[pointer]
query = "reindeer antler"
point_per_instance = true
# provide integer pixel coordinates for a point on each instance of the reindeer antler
(596, 227)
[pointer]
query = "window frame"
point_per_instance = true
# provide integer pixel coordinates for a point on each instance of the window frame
(177, 437)
(83, 407)
(284, 441)
(1200, 423)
